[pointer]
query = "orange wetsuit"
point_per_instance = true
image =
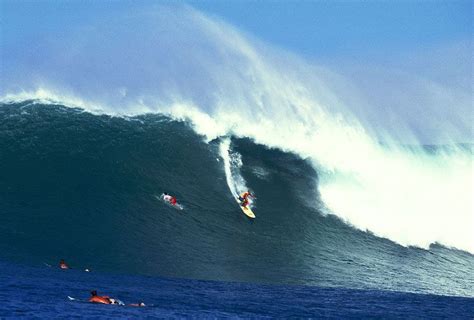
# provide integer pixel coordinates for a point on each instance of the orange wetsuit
(100, 299)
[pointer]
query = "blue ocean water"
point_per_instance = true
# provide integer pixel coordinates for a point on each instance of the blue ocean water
(42, 292)
(83, 187)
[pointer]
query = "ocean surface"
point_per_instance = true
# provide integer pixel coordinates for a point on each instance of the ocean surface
(42, 292)
(83, 187)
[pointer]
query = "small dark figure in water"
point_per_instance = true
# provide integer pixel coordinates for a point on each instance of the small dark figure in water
(63, 265)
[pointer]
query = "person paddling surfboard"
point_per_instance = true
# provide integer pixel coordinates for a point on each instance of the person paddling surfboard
(63, 265)
(94, 298)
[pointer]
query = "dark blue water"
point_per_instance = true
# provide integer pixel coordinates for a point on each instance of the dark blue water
(83, 187)
(42, 293)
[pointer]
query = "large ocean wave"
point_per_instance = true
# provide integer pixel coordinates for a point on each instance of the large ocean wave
(374, 168)
(83, 187)
(193, 67)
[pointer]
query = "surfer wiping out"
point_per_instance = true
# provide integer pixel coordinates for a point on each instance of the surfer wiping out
(169, 198)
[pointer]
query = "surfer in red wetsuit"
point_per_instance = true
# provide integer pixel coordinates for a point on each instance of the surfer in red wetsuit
(63, 265)
(169, 198)
(244, 198)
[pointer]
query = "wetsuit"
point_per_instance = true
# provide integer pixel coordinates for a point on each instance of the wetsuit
(243, 197)
(100, 299)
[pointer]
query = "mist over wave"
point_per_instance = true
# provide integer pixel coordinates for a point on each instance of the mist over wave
(225, 82)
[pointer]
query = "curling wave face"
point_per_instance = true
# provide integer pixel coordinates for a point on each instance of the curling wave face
(82, 187)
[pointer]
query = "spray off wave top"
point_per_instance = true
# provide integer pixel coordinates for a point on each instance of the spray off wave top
(180, 62)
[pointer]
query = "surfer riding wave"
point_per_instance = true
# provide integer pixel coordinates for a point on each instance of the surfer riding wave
(244, 198)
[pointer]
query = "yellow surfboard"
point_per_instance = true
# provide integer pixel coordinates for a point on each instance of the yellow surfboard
(248, 212)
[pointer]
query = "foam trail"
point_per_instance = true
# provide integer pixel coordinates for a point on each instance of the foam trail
(232, 164)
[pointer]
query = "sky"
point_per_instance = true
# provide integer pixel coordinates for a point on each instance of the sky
(322, 28)
(310, 28)
(400, 56)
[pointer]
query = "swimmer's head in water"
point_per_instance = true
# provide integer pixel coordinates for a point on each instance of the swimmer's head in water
(94, 293)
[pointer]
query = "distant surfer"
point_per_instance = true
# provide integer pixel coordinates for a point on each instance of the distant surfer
(103, 299)
(244, 198)
(99, 299)
(63, 265)
(141, 304)
(169, 198)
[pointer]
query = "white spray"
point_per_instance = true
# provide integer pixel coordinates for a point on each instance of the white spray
(232, 164)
